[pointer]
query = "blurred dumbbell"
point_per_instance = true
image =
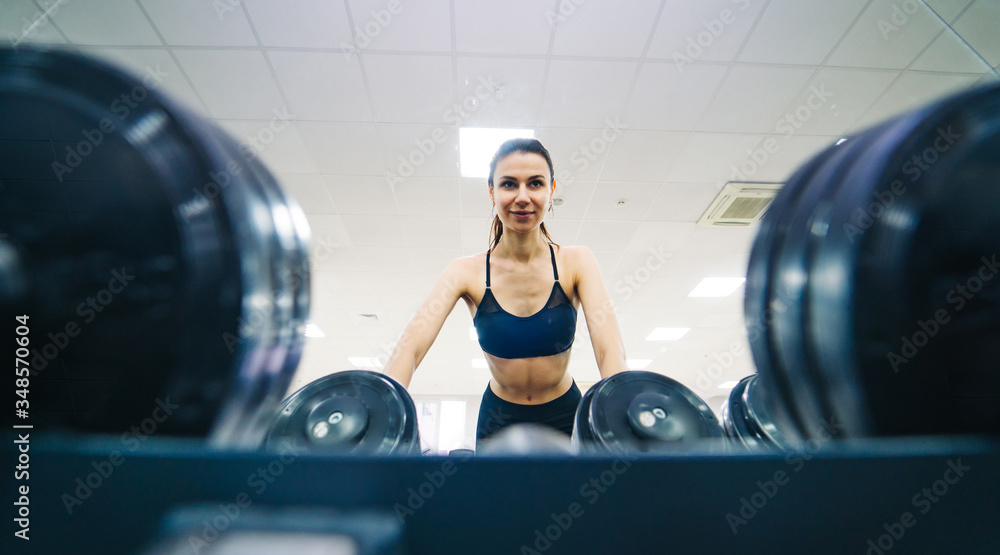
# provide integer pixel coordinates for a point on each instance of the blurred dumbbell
(873, 294)
(158, 274)
(747, 420)
(355, 411)
(644, 412)
(528, 439)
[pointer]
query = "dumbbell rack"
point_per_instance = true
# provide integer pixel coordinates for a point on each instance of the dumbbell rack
(832, 500)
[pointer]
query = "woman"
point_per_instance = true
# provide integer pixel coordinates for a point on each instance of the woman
(527, 348)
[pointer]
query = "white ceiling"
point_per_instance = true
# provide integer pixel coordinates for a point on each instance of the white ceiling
(363, 86)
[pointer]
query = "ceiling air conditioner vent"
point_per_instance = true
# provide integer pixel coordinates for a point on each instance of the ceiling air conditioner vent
(740, 204)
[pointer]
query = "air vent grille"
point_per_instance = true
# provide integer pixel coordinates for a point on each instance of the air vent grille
(740, 204)
(743, 208)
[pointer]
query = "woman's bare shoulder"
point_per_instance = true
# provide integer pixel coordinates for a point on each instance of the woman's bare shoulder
(579, 261)
(575, 253)
(467, 270)
(470, 261)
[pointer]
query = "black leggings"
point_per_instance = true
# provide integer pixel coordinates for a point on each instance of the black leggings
(496, 414)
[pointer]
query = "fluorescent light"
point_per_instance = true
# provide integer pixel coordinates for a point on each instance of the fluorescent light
(728, 385)
(638, 363)
(841, 141)
(479, 363)
(716, 287)
(473, 335)
(476, 147)
(312, 330)
(363, 362)
(667, 334)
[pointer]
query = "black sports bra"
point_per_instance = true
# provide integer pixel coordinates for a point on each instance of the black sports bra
(548, 332)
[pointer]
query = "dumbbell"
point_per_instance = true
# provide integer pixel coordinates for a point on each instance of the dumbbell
(747, 417)
(640, 411)
(871, 300)
(349, 412)
(157, 273)
(528, 440)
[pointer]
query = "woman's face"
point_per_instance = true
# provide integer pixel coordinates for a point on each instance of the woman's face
(521, 190)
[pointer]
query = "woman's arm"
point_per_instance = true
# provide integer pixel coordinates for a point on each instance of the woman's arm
(609, 349)
(425, 325)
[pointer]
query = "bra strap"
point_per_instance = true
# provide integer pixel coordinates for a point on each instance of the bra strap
(555, 270)
(488, 269)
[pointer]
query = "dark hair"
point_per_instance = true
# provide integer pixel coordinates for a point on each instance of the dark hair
(521, 145)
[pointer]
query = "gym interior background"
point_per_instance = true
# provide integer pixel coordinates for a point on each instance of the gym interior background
(672, 124)
(649, 107)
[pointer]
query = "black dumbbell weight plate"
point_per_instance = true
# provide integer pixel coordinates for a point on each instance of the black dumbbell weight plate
(760, 408)
(790, 281)
(930, 239)
(830, 296)
(354, 411)
(758, 308)
(735, 418)
(150, 256)
(643, 411)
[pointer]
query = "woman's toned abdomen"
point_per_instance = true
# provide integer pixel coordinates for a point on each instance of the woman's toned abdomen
(530, 381)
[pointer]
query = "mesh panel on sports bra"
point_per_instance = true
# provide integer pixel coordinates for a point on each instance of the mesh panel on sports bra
(488, 306)
(491, 305)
